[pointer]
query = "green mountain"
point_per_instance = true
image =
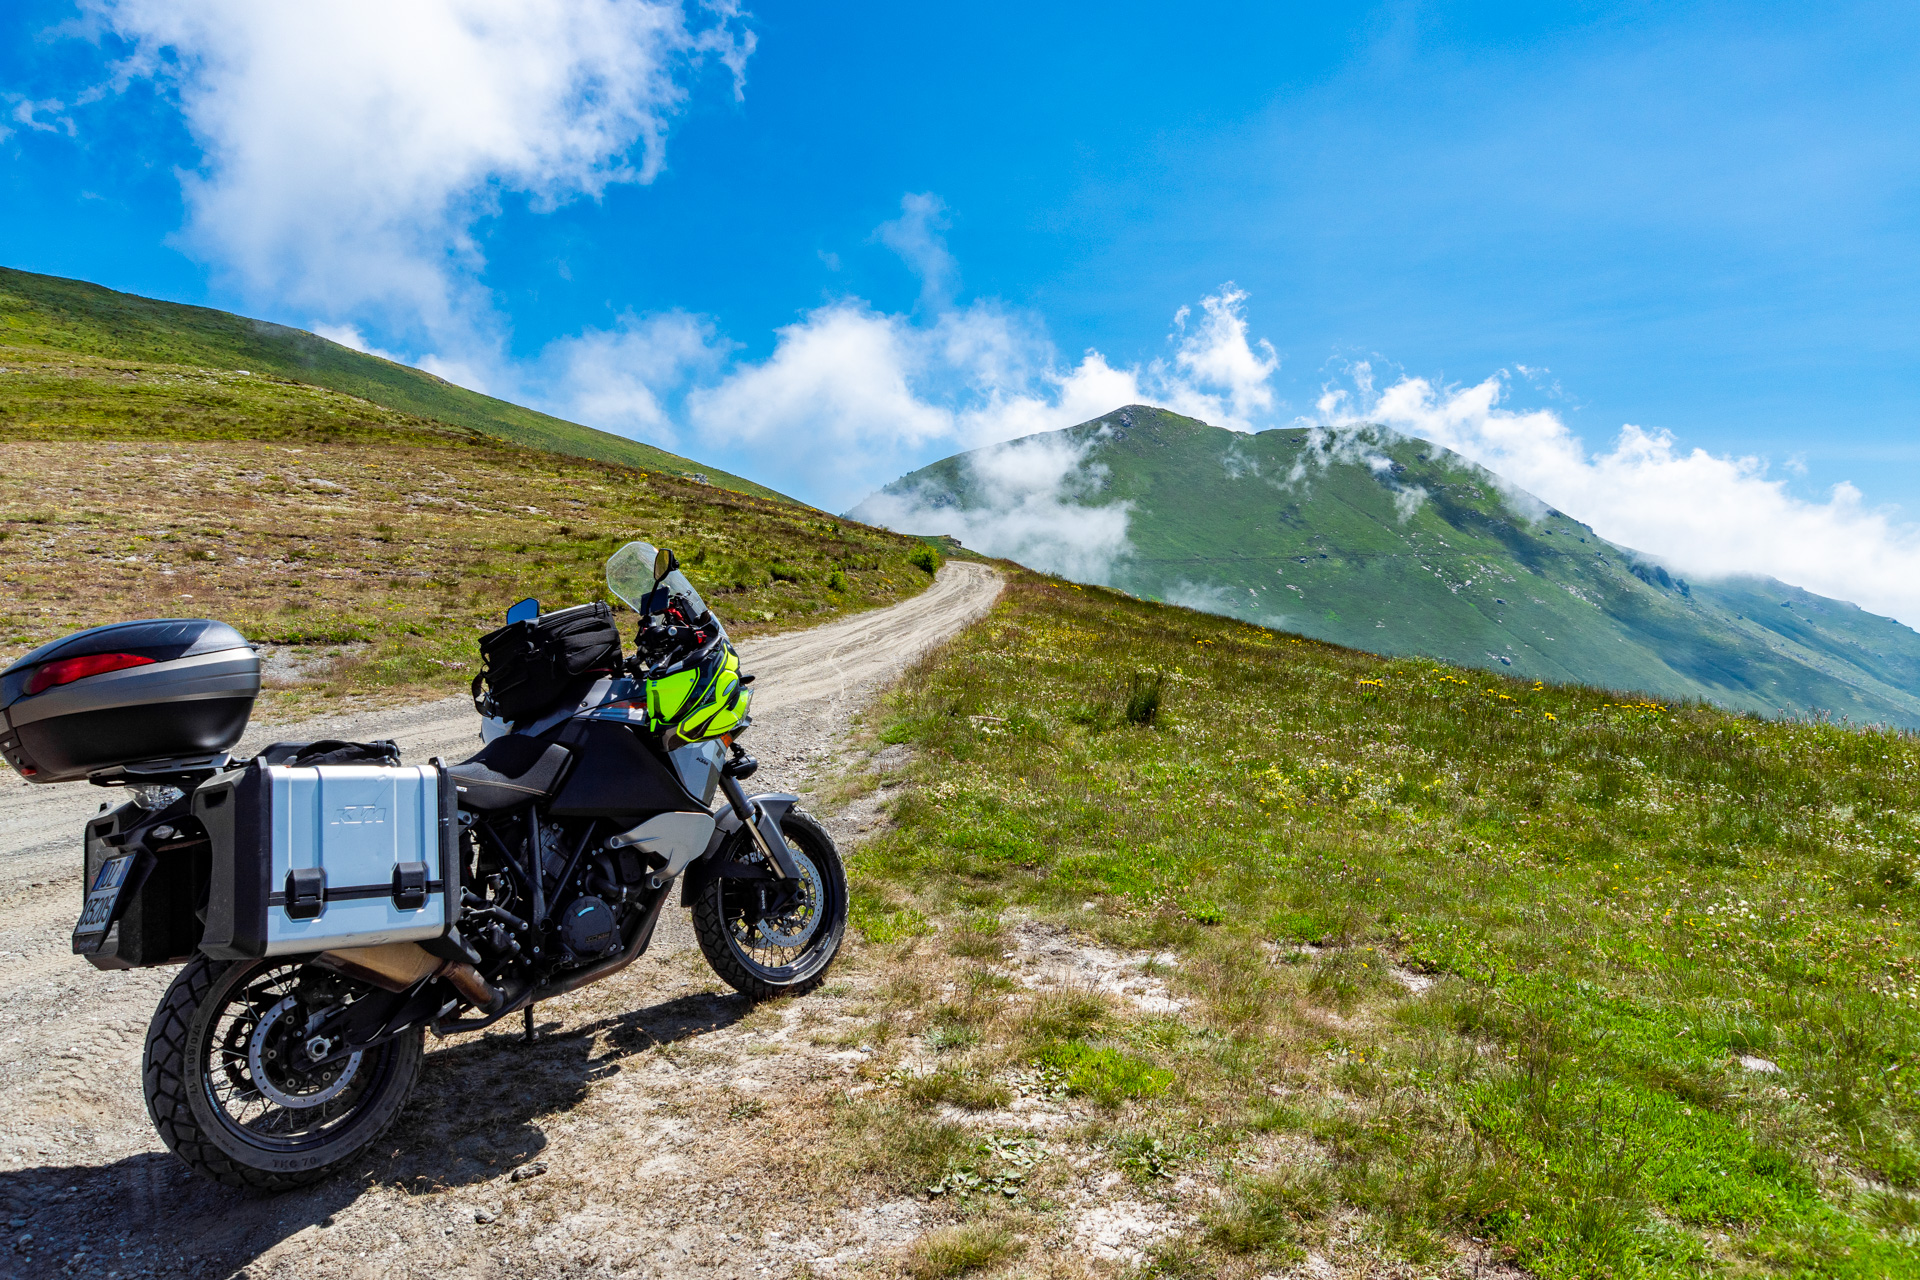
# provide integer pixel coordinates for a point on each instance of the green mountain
(42, 315)
(1395, 545)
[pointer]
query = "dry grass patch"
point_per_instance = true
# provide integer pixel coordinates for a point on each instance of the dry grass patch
(962, 1250)
(373, 558)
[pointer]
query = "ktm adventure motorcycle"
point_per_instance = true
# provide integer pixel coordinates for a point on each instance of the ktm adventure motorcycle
(330, 906)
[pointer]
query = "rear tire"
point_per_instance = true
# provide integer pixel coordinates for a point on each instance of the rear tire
(748, 954)
(203, 1049)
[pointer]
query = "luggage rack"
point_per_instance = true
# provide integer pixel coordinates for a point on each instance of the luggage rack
(175, 769)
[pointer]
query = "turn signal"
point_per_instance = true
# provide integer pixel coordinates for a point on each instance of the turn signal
(67, 670)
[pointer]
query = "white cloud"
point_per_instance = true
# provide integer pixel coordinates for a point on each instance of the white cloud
(610, 377)
(1703, 514)
(1234, 602)
(29, 112)
(1217, 354)
(834, 403)
(978, 377)
(1026, 506)
(915, 236)
(1408, 500)
(348, 335)
(350, 147)
(852, 397)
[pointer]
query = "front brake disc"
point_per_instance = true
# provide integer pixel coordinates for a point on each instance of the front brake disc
(798, 923)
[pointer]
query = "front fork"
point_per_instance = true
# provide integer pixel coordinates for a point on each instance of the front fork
(762, 829)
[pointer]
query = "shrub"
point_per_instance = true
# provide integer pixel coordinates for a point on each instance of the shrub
(836, 581)
(924, 558)
(1143, 698)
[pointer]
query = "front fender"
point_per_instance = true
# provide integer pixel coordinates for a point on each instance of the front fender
(775, 804)
(727, 831)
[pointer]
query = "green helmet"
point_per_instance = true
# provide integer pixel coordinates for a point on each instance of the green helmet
(701, 697)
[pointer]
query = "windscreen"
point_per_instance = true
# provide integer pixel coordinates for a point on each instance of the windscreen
(630, 574)
(677, 586)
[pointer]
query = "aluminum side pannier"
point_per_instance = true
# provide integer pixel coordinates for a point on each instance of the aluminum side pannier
(332, 856)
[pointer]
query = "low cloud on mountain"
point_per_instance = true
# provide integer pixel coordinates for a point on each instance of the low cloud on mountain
(1033, 510)
(1705, 515)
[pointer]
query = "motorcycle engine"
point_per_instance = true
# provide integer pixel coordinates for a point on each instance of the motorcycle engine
(588, 928)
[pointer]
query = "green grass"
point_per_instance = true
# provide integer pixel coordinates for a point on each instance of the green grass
(1103, 1073)
(82, 349)
(1609, 901)
(1398, 546)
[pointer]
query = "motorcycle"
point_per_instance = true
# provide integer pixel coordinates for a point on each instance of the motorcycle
(329, 906)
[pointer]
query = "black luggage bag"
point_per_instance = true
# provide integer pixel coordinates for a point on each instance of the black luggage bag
(527, 667)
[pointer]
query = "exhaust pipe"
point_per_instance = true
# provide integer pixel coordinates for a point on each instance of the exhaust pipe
(397, 966)
(475, 989)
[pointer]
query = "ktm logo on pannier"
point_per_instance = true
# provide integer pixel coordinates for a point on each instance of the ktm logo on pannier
(359, 815)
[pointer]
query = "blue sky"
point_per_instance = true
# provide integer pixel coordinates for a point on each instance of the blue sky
(821, 244)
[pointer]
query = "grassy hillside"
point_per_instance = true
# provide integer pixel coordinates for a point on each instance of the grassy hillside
(1474, 972)
(1397, 546)
(369, 548)
(49, 325)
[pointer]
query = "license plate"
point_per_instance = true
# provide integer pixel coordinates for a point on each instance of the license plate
(101, 898)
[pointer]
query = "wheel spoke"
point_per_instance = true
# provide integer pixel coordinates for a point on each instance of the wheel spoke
(249, 1072)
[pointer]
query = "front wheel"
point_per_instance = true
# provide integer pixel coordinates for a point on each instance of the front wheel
(227, 1097)
(765, 948)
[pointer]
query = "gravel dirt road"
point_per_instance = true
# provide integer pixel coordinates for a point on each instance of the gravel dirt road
(633, 1110)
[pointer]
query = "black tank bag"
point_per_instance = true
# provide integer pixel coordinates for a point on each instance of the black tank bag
(526, 667)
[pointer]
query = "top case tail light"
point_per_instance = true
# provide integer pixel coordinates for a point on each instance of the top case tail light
(67, 670)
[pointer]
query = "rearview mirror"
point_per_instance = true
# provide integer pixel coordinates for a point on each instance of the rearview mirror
(663, 564)
(525, 611)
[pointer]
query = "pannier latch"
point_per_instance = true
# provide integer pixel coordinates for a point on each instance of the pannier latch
(409, 885)
(306, 892)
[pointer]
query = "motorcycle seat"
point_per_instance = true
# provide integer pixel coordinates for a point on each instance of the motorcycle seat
(509, 771)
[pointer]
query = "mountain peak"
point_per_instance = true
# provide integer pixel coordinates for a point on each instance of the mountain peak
(1369, 538)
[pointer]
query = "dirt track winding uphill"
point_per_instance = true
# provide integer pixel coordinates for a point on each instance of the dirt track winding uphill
(86, 1188)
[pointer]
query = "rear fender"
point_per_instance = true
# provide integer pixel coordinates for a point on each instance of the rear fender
(729, 832)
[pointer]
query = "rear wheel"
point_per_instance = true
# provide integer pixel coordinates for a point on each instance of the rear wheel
(226, 1087)
(785, 950)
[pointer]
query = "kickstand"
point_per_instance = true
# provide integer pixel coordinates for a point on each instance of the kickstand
(526, 1025)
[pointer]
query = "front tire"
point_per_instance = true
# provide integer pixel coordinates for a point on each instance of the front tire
(221, 1105)
(787, 955)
